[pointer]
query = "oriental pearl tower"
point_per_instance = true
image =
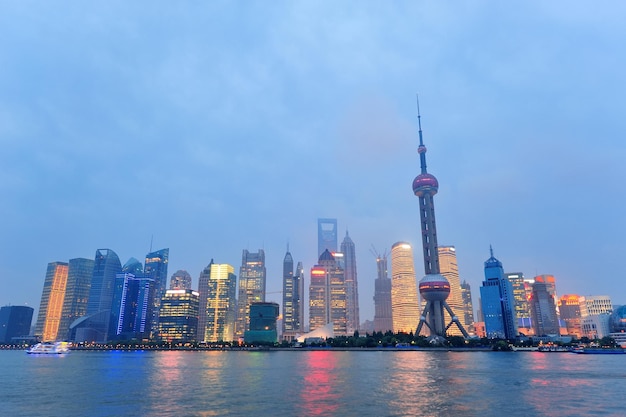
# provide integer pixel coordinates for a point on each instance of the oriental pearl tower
(434, 287)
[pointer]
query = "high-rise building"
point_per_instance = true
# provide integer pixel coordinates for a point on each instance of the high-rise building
(544, 316)
(178, 319)
(448, 267)
(569, 308)
(180, 280)
(521, 306)
(220, 303)
(327, 296)
(203, 296)
(326, 236)
(293, 298)
(76, 294)
(352, 285)
(263, 318)
(252, 277)
(383, 319)
(496, 296)
(434, 287)
(468, 306)
(15, 322)
(51, 305)
(132, 307)
(404, 302)
(155, 268)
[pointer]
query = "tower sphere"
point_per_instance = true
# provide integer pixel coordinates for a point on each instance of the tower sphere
(434, 287)
(425, 183)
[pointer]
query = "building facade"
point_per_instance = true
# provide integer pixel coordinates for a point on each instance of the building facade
(180, 280)
(544, 317)
(221, 299)
(263, 319)
(79, 275)
(178, 319)
(405, 309)
(51, 305)
(155, 268)
(497, 302)
(468, 306)
(448, 267)
(132, 308)
(352, 284)
(569, 309)
(327, 296)
(252, 282)
(326, 236)
(293, 298)
(383, 319)
(15, 322)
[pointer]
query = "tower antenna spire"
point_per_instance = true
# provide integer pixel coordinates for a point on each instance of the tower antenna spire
(421, 149)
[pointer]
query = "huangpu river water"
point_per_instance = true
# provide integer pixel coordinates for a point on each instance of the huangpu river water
(312, 383)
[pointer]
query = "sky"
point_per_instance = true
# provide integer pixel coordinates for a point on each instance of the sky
(213, 127)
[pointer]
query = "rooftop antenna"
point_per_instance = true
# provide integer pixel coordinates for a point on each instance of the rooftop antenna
(421, 149)
(151, 239)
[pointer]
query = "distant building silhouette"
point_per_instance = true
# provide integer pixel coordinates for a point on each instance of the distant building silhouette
(252, 282)
(326, 236)
(327, 295)
(15, 322)
(178, 319)
(497, 301)
(51, 305)
(293, 298)
(383, 319)
(352, 285)
(404, 301)
(180, 280)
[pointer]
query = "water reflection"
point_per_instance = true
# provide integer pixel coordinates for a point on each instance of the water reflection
(319, 396)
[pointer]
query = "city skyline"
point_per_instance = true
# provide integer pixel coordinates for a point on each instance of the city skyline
(124, 104)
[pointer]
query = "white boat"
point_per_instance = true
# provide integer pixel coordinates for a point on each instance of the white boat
(49, 348)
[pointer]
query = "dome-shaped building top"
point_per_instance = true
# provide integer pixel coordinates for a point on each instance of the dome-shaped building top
(434, 287)
(326, 256)
(425, 183)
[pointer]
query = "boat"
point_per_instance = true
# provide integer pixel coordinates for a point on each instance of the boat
(600, 351)
(49, 348)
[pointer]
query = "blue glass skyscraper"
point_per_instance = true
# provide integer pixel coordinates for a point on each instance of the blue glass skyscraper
(497, 302)
(156, 268)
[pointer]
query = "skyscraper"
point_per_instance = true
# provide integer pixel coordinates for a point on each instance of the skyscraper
(221, 303)
(404, 301)
(543, 310)
(569, 308)
(521, 306)
(383, 320)
(203, 296)
(326, 235)
(178, 319)
(449, 268)
(293, 298)
(51, 305)
(468, 306)
(434, 287)
(252, 277)
(155, 268)
(352, 285)
(76, 293)
(327, 296)
(180, 280)
(132, 307)
(497, 301)
(15, 322)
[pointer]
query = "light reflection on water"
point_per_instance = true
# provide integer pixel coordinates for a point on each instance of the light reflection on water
(311, 383)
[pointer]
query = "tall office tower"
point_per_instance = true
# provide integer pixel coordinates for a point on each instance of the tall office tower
(76, 294)
(521, 306)
(293, 298)
(468, 306)
(326, 235)
(221, 304)
(448, 267)
(352, 285)
(550, 282)
(327, 296)
(15, 322)
(156, 269)
(404, 301)
(132, 307)
(178, 320)
(434, 287)
(51, 306)
(106, 266)
(180, 280)
(252, 277)
(263, 318)
(203, 296)
(496, 296)
(569, 308)
(383, 319)
(543, 310)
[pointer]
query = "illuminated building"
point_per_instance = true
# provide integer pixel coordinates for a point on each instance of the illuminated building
(468, 306)
(448, 267)
(178, 319)
(293, 298)
(521, 306)
(326, 236)
(51, 305)
(550, 282)
(263, 318)
(405, 310)
(327, 295)
(251, 287)
(76, 294)
(352, 286)
(15, 322)
(496, 295)
(592, 305)
(569, 308)
(218, 297)
(383, 319)
(595, 312)
(180, 280)
(155, 268)
(543, 310)
(132, 307)
(434, 287)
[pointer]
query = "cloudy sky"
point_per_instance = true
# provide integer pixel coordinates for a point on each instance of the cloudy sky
(212, 127)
